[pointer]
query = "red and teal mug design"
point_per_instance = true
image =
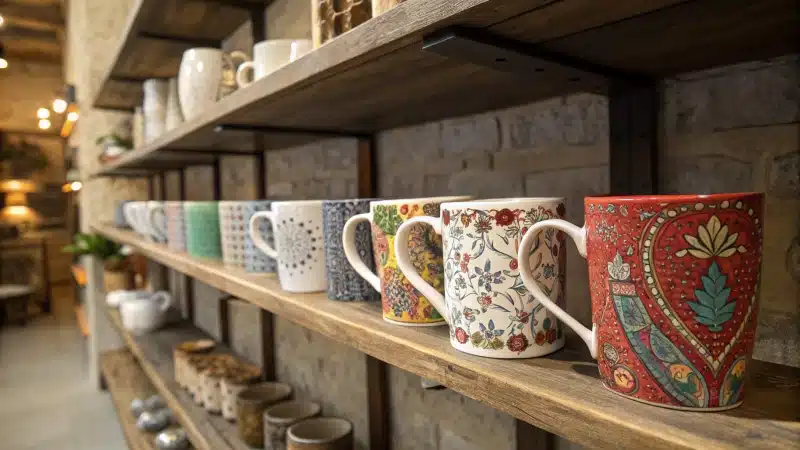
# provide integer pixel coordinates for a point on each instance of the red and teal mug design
(674, 284)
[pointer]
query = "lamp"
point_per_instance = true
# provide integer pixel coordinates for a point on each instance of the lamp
(3, 62)
(18, 186)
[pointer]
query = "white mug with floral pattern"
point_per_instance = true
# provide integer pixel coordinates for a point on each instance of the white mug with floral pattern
(490, 311)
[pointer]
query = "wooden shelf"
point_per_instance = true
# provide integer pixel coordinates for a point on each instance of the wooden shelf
(377, 76)
(561, 393)
(154, 353)
(154, 38)
(126, 381)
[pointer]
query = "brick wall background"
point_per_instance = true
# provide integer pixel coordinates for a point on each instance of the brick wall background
(728, 129)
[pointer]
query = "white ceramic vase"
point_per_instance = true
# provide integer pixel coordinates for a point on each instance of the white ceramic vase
(174, 113)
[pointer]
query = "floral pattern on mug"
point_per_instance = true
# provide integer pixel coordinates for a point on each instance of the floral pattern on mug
(488, 305)
(401, 301)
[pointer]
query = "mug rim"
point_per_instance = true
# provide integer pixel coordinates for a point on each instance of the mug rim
(487, 203)
(234, 202)
(440, 200)
(345, 200)
(297, 202)
(670, 198)
(344, 430)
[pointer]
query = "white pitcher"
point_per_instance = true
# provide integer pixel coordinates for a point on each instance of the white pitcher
(144, 314)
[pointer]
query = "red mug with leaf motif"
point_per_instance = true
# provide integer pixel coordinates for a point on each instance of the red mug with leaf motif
(674, 285)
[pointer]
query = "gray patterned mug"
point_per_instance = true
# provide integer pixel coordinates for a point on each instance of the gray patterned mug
(344, 283)
(238, 249)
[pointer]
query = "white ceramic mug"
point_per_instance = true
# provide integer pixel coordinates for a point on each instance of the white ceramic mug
(136, 215)
(154, 108)
(200, 79)
(299, 240)
(489, 310)
(144, 314)
(269, 56)
(174, 116)
(156, 221)
(115, 298)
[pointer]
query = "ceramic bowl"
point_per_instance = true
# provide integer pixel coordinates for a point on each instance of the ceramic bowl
(175, 439)
(154, 420)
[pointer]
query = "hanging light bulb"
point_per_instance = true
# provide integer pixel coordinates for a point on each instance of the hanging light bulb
(59, 105)
(2, 21)
(72, 116)
(44, 124)
(3, 62)
(43, 113)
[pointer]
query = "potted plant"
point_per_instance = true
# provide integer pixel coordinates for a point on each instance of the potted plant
(21, 159)
(117, 273)
(113, 146)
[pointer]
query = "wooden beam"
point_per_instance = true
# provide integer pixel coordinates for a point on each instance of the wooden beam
(42, 15)
(14, 31)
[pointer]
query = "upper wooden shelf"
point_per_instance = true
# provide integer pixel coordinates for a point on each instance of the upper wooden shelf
(154, 38)
(154, 353)
(379, 76)
(560, 393)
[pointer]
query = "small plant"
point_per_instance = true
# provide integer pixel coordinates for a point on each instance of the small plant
(112, 254)
(114, 140)
(22, 158)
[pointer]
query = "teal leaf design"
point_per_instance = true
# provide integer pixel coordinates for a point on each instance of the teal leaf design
(631, 312)
(712, 307)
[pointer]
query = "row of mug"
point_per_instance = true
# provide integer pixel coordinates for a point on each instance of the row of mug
(673, 279)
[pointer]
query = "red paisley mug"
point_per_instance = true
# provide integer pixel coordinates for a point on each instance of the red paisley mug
(674, 285)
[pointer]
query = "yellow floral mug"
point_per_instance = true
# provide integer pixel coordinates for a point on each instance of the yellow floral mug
(402, 303)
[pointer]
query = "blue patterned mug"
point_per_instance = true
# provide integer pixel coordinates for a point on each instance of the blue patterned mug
(344, 283)
(238, 249)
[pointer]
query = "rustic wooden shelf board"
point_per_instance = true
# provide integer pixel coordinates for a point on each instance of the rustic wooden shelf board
(154, 353)
(377, 76)
(561, 393)
(156, 35)
(126, 381)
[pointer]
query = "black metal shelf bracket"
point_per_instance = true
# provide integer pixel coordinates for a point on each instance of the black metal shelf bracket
(264, 129)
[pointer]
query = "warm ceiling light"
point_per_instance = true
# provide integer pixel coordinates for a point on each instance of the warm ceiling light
(2, 20)
(73, 116)
(3, 62)
(44, 124)
(59, 105)
(43, 113)
(76, 186)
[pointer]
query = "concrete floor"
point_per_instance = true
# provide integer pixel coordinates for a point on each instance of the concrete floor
(46, 400)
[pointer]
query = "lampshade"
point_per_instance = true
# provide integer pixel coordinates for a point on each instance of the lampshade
(18, 186)
(16, 199)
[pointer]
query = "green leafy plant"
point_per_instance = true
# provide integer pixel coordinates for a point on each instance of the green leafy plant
(114, 139)
(22, 158)
(712, 308)
(95, 245)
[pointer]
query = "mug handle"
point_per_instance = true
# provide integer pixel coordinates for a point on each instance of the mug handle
(158, 230)
(408, 269)
(255, 234)
(351, 253)
(241, 79)
(578, 235)
(127, 213)
(164, 300)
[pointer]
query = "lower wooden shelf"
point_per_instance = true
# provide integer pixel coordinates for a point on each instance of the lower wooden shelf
(154, 353)
(560, 393)
(126, 381)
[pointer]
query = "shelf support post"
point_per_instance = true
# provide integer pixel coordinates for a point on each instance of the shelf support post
(188, 286)
(633, 110)
(377, 370)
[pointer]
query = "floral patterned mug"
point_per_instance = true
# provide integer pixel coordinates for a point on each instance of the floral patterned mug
(489, 310)
(674, 285)
(402, 303)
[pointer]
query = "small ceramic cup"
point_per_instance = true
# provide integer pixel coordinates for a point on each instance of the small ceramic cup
(269, 56)
(402, 303)
(202, 229)
(235, 382)
(181, 353)
(114, 298)
(321, 433)
(250, 406)
(157, 221)
(238, 249)
(176, 226)
(299, 244)
(211, 379)
(278, 418)
(344, 283)
(196, 364)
